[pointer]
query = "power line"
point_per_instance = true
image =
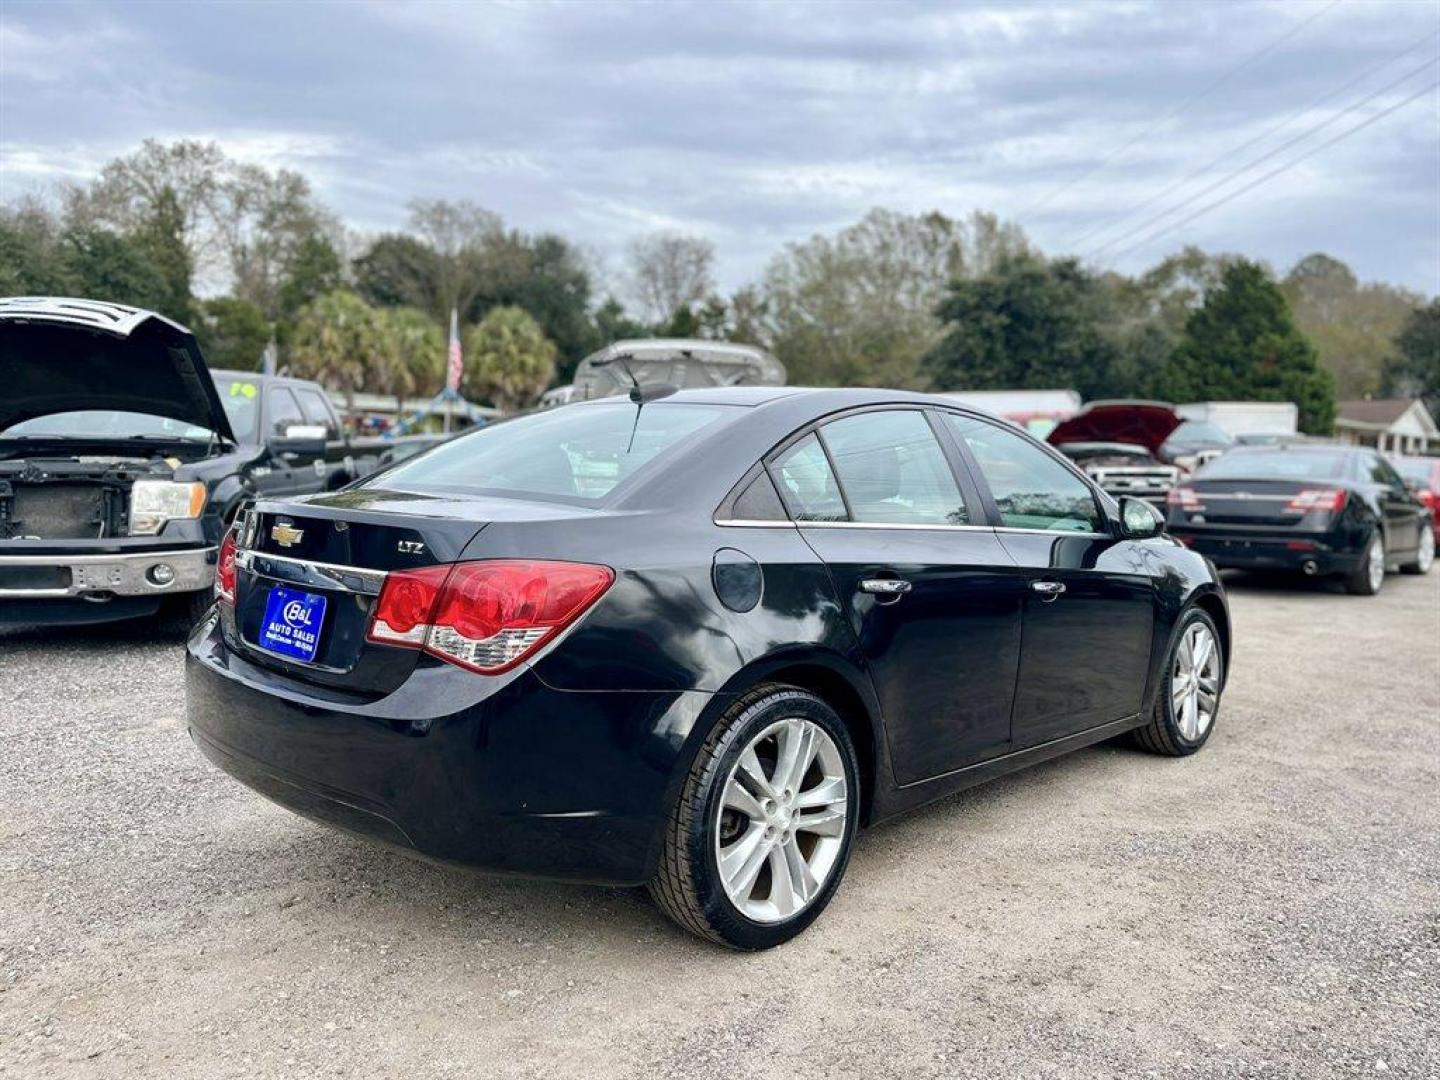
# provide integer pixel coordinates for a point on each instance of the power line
(1105, 227)
(1187, 103)
(1243, 169)
(1277, 171)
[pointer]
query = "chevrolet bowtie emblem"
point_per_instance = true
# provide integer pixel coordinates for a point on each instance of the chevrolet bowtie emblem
(286, 535)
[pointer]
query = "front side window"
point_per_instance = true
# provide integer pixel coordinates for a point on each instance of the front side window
(317, 413)
(807, 483)
(1381, 472)
(284, 412)
(1031, 489)
(579, 452)
(893, 471)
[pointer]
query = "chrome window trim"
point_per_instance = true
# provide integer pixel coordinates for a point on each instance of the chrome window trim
(736, 523)
(1242, 496)
(905, 525)
(909, 526)
(1088, 533)
(320, 575)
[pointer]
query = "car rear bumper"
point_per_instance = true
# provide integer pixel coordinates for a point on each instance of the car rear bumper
(506, 774)
(1317, 554)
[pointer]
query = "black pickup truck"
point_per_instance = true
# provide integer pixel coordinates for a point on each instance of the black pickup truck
(123, 459)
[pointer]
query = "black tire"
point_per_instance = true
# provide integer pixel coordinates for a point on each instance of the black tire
(1359, 582)
(687, 885)
(1162, 735)
(1421, 563)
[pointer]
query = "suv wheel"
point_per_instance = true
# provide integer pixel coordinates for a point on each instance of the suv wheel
(762, 831)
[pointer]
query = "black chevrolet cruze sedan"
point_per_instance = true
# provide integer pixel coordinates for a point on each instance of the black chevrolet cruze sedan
(1322, 510)
(696, 641)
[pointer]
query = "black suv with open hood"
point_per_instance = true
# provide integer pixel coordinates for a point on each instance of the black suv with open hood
(119, 469)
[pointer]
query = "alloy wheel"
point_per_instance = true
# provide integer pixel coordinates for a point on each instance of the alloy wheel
(780, 827)
(1426, 555)
(1195, 681)
(1376, 566)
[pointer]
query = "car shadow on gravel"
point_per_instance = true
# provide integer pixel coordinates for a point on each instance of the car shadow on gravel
(1276, 581)
(361, 888)
(163, 629)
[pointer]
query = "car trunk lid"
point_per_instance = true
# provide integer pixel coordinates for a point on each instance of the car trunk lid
(1251, 503)
(339, 548)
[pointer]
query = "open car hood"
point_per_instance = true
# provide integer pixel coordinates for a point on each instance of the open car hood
(1143, 423)
(59, 355)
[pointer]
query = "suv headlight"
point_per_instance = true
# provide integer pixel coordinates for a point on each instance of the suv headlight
(154, 502)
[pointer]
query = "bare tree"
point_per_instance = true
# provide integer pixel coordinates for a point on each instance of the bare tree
(241, 223)
(463, 236)
(669, 271)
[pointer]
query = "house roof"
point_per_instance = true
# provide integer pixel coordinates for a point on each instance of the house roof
(1407, 415)
(1374, 411)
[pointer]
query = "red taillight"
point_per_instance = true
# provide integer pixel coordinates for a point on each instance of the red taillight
(1331, 499)
(1185, 498)
(225, 571)
(487, 616)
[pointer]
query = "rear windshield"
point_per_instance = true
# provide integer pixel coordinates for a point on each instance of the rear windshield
(1277, 465)
(574, 452)
(1199, 433)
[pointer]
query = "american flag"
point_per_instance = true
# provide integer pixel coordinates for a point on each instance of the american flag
(457, 364)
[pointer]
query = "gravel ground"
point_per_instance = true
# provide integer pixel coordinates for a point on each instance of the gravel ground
(1269, 908)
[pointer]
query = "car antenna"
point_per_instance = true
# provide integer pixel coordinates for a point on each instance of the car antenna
(638, 394)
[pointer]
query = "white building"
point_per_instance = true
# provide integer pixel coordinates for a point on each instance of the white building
(1391, 425)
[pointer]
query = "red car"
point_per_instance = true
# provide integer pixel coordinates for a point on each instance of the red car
(1422, 475)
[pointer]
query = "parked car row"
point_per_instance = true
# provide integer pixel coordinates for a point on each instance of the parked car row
(693, 640)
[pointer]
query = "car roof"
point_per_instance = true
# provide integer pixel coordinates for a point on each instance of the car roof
(1297, 448)
(823, 398)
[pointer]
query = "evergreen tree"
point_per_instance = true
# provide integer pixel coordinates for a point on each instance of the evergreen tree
(1415, 369)
(232, 332)
(1028, 323)
(1242, 345)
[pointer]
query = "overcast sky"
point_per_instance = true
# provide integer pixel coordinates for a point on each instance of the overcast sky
(753, 125)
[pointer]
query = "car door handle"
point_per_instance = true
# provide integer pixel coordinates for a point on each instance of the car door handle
(1048, 590)
(888, 588)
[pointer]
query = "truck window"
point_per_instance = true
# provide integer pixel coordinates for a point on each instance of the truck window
(317, 411)
(283, 412)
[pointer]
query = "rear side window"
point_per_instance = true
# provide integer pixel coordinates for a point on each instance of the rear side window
(580, 452)
(758, 502)
(1031, 489)
(893, 471)
(807, 483)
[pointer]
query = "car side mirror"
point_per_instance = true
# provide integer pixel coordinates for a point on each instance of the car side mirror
(299, 440)
(1139, 519)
